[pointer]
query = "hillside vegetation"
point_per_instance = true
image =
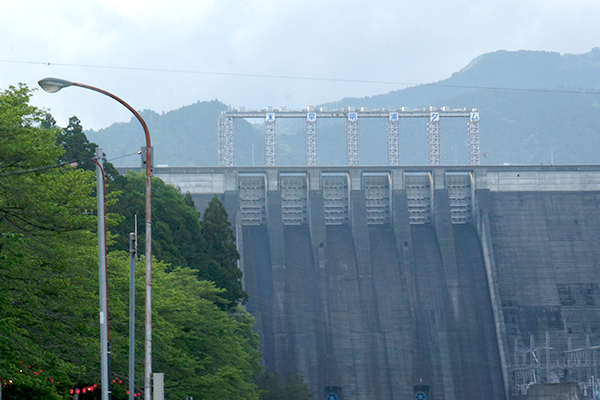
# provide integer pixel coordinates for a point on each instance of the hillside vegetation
(535, 107)
(49, 317)
(49, 275)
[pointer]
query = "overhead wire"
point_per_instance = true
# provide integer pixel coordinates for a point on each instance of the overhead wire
(58, 165)
(303, 78)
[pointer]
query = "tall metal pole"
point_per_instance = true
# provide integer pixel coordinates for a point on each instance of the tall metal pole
(132, 257)
(148, 306)
(104, 378)
(53, 85)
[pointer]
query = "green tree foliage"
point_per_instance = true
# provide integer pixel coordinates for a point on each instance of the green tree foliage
(274, 387)
(76, 146)
(222, 267)
(176, 235)
(47, 257)
(48, 276)
(203, 352)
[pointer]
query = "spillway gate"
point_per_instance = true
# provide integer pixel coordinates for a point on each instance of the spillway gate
(336, 187)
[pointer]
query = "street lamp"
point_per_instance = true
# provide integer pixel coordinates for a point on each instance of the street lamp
(53, 85)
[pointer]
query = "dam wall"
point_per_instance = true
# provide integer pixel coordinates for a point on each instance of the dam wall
(376, 282)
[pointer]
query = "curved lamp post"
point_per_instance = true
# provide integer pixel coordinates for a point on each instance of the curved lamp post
(53, 85)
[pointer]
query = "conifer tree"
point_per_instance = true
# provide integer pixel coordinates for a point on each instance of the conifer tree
(222, 267)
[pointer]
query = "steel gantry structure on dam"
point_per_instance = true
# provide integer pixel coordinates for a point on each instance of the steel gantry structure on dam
(352, 117)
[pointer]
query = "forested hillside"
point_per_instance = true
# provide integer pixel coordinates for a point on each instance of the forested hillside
(183, 137)
(535, 107)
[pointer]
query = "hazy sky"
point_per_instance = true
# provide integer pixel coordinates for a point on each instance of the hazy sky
(162, 55)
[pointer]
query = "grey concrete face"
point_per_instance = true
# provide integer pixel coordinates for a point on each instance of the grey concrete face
(428, 295)
(545, 268)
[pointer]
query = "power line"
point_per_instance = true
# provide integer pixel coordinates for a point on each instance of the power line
(303, 78)
(72, 163)
(126, 155)
(181, 71)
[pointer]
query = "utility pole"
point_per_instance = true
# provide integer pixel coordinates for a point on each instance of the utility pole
(104, 348)
(132, 259)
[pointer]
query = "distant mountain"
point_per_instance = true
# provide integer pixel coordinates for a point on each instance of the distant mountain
(535, 107)
(186, 136)
(501, 69)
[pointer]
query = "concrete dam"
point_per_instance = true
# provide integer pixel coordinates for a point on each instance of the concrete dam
(452, 283)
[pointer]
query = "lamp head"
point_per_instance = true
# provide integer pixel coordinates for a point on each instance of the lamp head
(53, 85)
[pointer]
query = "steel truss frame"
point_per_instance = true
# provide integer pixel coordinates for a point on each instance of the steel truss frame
(474, 138)
(433, 138)
(393, 138)
(270, 140)
(311, 138)
(226, 140)
(352, 139)
(227, 134)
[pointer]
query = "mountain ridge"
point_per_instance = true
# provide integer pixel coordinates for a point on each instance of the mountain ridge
(536, 107)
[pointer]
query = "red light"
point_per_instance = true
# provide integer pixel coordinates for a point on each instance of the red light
(120, 381)
(71, 391)
(83, 390)
(77, 391)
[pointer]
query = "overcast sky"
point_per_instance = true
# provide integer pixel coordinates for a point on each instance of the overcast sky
(162, 55)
